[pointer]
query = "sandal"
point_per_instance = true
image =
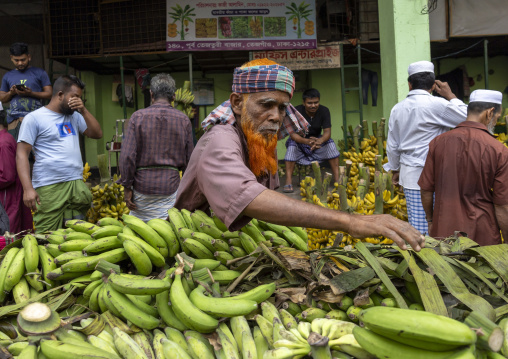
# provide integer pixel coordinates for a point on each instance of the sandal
(288, 188)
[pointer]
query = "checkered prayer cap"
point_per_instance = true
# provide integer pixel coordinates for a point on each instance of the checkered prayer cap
(262, 78)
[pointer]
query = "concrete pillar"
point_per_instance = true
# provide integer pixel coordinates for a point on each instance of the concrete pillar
(405, 38)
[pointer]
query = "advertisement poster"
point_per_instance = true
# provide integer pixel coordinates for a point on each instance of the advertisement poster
(199, 25)
(324, 57)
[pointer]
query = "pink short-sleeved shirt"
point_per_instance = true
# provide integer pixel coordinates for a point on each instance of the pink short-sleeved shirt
(218, 177)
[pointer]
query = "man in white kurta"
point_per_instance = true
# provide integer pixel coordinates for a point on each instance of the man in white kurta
(413, 123)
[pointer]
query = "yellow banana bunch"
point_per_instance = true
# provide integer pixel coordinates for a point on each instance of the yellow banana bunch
(108, 201)
(503, 138)
(86, 172)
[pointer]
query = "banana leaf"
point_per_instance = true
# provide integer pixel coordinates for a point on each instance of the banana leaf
(14, 308)
(472, 282)
(429, 291)
(371, 260)
(479, 275)
(501, 311)
(454, 284)
(388, 266)
(348, 281)
(401, 269)
(496, 257)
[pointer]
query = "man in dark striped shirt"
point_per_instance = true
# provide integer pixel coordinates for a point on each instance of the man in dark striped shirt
(158, 143)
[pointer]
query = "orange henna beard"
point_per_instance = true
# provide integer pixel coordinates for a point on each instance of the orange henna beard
(261, 149)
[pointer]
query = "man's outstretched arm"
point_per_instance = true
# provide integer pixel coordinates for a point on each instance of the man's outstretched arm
(279, 209)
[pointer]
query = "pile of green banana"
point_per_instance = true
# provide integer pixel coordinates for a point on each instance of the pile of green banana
(71, 254)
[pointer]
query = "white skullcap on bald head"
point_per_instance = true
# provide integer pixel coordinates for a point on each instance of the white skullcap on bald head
(486, 96)
(420, 66)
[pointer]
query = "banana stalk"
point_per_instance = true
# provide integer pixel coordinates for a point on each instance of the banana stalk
(356, 133)
(319, 346)
(379, 187)
(317, 177)
(343, 190)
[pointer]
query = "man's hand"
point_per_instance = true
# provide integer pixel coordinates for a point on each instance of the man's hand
(27, 91)
(76, 104)
(443, 89)
(127, 194)
(31, 199)
(395, 178)
(386, 225)
(429, 225)
(315, 143)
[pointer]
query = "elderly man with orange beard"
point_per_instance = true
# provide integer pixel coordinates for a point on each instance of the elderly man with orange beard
(233, 169)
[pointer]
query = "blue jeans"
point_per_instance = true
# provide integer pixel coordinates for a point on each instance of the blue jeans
(369, 78)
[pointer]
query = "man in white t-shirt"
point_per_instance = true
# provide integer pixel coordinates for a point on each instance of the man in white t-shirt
(57, 191)
(414, 122)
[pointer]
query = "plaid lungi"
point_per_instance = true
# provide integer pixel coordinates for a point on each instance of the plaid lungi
(415, 211)
(152, 206)
(301, 153)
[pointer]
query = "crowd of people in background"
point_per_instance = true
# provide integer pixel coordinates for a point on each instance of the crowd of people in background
(460, 184)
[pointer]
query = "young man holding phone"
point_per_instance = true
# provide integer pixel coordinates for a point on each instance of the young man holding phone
(24, 87)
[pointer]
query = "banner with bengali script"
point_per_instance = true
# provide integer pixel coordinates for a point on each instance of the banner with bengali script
(324, 57)
(204, 25)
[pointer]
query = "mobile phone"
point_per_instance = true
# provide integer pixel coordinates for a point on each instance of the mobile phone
(20, 87)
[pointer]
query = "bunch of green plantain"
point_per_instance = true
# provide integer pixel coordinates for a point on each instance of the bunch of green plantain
(205, 237)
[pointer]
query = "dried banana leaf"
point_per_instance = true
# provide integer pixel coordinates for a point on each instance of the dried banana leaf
(454, 284)
(479, 275)
(292, 259)
(496, 257)
(339, 264)
(429, 291)
(360, 246)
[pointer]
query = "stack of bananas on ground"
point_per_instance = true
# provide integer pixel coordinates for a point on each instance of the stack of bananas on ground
(183, 99)
(359, 200)
(86, 172)
(108, 201)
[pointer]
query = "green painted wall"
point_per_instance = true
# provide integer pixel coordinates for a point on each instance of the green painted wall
(405, 38)
(328, 82)
(475, 66)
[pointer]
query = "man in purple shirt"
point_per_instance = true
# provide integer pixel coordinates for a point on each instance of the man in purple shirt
(233, 169)
(158, 143)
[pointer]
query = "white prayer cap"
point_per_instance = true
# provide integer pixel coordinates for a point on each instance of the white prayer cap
(486, 96)
(420, 66)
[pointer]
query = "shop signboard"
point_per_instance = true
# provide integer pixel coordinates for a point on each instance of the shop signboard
(204, 25)
(324, 57)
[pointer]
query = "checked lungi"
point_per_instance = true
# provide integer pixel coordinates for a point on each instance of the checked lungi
(152, 206)
(415, 211)
(301, 153)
